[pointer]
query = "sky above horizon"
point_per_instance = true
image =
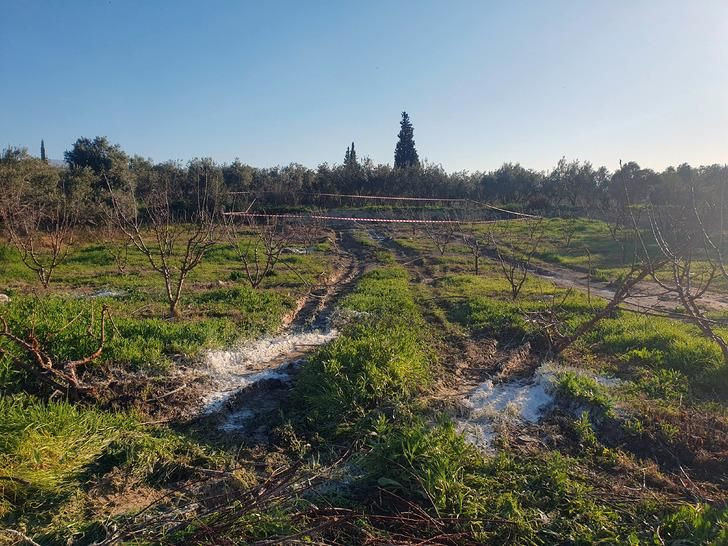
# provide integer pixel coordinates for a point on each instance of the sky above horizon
(278, 82)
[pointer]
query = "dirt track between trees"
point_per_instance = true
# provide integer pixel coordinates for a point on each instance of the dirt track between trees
(247, 381)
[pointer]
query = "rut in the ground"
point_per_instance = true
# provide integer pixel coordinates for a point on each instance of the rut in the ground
(248, 380)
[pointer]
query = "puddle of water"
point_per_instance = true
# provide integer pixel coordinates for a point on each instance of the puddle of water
(105, 293)
(264, 359)
(512, 402)
(237, 420)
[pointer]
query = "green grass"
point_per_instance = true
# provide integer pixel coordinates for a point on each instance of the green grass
(54, 455)
(63, 326)
(658, 345)
(378, 362)
(512, 499)
(641, 345)
(215, 310)
(50, 454)
(361, 391)
(585, 391)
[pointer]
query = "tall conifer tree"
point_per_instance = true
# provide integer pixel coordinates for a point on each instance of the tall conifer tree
(405, 154)
(42, 150)
(350, 157)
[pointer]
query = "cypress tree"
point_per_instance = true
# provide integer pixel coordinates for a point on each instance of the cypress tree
(42, 150)
(405, 154)
(350, 157)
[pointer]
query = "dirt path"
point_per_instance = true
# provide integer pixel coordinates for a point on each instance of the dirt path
(646, 296)
(243, 380)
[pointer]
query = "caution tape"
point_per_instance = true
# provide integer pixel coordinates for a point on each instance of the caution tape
(357, 219)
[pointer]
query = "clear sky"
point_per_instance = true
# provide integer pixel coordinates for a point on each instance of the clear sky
(274, 82)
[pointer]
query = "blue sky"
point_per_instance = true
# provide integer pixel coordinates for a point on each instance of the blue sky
(276, 82)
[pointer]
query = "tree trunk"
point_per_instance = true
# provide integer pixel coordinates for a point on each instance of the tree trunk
(173, 310)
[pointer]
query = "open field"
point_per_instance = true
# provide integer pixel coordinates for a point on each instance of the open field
(347, 273)
(371, 388)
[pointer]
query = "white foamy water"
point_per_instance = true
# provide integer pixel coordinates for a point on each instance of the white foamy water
(511, 403)
(235, 369)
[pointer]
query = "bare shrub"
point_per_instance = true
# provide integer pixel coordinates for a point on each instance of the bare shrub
(116, 243)
(515, 259)
(174, 243)
(441, 234)
(257, 245)
(474, 242)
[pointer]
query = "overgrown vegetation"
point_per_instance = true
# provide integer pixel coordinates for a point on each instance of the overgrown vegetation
(366, 443)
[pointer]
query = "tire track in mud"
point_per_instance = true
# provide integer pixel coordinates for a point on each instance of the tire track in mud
(248, 382)
(486, 388)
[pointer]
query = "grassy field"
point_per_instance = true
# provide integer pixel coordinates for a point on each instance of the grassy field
(366, 443)
(57, 458)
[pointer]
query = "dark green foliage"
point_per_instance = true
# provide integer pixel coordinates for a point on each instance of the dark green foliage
(98, 155)
(350, 161)
(405, 154)
(352, 157)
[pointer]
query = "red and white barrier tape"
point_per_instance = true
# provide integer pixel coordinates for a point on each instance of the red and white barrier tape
(355, 219)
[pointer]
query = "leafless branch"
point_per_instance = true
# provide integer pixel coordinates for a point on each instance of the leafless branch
(41, 364)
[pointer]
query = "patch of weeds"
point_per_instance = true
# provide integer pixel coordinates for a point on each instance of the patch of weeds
(500, 499)
(599, 275)
(384, 257)
(355, 374)
(662, 384)
(492, 317)
(549, 256)
(585, 430)
(657, 343)
(698, 524)
(583, 390)
(424, 463)
(256, 311)
(66, 329)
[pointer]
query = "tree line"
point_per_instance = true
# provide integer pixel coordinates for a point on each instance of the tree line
(93, 166)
